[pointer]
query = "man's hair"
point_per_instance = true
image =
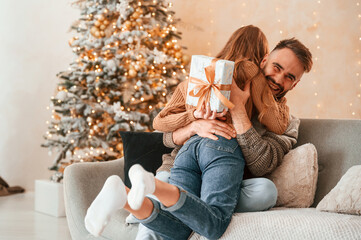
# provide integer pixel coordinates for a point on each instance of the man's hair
(301, 51)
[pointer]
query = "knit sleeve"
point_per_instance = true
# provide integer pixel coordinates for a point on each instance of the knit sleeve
(273, 114)
(175, 115)
(263, 153)
(168, 140)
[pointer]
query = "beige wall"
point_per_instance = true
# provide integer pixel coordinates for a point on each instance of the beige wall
(34, 48)
(331, 29)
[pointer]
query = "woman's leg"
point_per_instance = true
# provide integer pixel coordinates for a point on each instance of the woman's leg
(145, 233)
(220, 168)
(257, 194)
(113, 197)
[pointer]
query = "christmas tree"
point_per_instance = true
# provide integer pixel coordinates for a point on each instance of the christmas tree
(127, 61)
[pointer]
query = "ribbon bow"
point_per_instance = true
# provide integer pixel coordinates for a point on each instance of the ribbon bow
(203, 89)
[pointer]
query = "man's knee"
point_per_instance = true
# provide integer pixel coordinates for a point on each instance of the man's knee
(257, 194)
(268, 190)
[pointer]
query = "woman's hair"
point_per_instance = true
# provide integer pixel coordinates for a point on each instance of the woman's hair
(246, 47)
(246, 44)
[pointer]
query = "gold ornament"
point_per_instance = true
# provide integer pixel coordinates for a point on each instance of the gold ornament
(102, 27)
(139, 10)
(135, 15)
(132, 73)
(186, 59)
(178, 54)
(101, 17)
(119, 147)
(97, 23)
(93, 30)
(176, 47)
(128, 24)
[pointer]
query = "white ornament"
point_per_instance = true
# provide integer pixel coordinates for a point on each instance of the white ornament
(159, 56)
(111, 64)
(61, 95)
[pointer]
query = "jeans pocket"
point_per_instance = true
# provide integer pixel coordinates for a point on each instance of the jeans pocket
(224, 145)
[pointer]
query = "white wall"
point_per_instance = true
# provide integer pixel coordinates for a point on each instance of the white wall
(33, 49)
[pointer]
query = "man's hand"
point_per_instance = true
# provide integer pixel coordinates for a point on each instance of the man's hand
(208, 114)
(209, 128)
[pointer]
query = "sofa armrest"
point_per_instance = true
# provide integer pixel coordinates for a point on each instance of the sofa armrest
(82, 183)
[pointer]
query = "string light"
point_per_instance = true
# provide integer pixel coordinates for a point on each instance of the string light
(211, 10)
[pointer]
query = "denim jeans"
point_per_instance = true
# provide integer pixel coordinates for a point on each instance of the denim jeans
(257, 194)
(209, 175)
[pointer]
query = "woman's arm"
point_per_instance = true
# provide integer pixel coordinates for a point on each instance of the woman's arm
(273, 114)
(174, 115)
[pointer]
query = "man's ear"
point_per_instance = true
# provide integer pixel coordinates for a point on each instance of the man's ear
(264, 60)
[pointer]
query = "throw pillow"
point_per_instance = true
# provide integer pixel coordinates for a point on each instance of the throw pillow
(144, 148)
(345, 197)
(296, 177)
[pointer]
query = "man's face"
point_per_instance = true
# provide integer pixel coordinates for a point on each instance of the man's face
(282, 70)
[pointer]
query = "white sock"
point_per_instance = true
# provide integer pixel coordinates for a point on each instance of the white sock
(112, 197)
(143, 183)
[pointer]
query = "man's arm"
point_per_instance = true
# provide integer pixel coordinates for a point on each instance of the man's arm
(263, 153)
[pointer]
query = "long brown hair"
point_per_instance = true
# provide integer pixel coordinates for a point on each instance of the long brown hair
(246, 44)
(246, 47)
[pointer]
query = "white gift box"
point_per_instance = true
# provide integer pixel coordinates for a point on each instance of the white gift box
(223, 75)
(49, 198)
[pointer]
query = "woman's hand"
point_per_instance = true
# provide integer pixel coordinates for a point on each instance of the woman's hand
(208, 114)
(239, 115)
(209, 128)
(239, 97)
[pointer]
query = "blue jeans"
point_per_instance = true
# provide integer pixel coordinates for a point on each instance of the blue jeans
(209, 175)
(257, 194)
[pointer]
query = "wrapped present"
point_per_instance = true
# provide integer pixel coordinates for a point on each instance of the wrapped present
(210, 82)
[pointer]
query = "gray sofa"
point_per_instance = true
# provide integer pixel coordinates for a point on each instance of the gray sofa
(338, 143)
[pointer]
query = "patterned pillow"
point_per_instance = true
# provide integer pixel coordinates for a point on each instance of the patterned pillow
(296, 177)
(345, 197)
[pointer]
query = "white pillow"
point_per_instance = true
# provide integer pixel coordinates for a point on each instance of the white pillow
(296, 177)
(345, 197)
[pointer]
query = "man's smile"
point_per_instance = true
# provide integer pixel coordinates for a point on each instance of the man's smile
(274, 86)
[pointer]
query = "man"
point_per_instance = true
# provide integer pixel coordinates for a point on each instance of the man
(263, 150)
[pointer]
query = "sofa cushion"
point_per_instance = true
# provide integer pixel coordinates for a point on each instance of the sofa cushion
(296, 177)
(144, 148)
(291, 223)
(345, 197)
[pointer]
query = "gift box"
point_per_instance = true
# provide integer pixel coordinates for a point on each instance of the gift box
(49, 198)
(210, 82)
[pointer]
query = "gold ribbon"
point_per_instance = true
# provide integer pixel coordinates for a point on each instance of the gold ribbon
(204, 88)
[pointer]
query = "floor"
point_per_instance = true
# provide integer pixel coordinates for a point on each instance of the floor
(19, 221)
